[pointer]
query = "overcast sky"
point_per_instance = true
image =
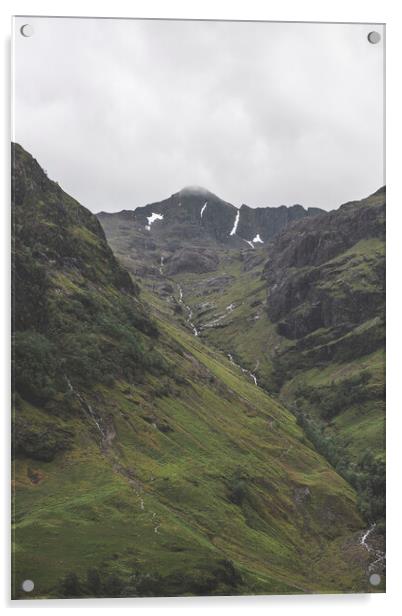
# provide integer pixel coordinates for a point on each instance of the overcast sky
(123, 113)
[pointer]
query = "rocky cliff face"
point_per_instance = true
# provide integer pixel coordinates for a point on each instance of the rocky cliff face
(328, 272)
(193, 218)
(189, 214)
(267, 222)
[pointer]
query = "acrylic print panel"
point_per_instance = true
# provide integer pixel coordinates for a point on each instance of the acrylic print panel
(198, 220)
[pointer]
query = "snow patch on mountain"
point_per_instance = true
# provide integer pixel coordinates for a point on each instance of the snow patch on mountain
(258, 239)
(236, 223)
(203, 208)
(152, 219)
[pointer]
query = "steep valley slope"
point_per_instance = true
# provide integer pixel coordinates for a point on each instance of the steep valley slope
(301, 313)
(144, 461)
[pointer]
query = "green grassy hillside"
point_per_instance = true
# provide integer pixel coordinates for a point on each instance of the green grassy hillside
(144, 462)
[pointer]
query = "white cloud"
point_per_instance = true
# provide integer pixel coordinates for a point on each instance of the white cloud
(124, 112)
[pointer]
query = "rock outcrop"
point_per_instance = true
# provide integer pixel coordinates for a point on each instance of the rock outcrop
(327, 275)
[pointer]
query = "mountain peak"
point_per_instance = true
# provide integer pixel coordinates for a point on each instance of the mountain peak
(194, 190)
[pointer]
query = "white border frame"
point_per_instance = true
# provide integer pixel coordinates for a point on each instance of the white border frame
(362, 11)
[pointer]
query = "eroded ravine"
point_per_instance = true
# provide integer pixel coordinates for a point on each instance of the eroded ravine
(244, 370)
(378, 555)
(196, 332)
(188, 310)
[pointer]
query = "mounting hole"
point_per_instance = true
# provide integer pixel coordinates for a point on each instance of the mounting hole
(26, 30)
(375, 579)
(374, 37)
(28, 585)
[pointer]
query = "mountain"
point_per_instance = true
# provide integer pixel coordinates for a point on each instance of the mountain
(145, 462)
(329, 273)
(266, 222)
(190, 229)
(326, 297)
(305, 315)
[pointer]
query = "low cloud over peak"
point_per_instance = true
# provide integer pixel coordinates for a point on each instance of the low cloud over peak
(122, 112)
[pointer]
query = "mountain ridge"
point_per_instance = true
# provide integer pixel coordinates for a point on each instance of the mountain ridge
(216, 215)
